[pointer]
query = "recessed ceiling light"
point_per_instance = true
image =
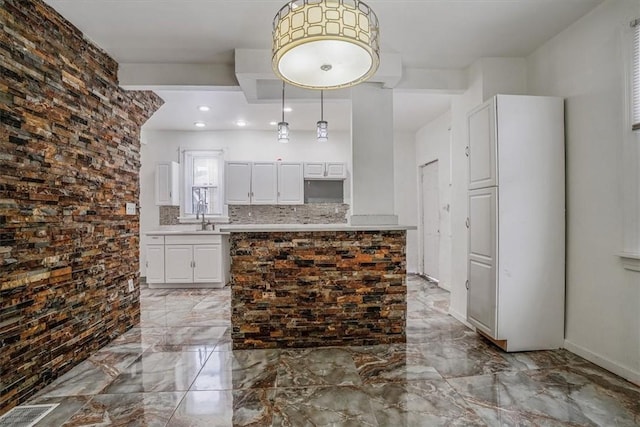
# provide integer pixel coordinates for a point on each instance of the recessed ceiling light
(241, 123)
(204, 108)
(273, 123)
(287, 109)
(199, 124)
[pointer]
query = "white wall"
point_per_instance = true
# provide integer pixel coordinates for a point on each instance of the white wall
(238, 145)
(433, 142)
(406, 192)
(585, 64)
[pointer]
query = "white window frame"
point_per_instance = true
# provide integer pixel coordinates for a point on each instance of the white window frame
(630, 254)
(188, 156)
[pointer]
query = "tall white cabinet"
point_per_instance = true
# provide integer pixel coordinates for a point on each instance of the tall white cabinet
(516, 256)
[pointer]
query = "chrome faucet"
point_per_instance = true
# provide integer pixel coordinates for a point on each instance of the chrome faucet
(201, 208)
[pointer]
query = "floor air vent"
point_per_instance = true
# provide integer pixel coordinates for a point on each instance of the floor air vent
(25, 416)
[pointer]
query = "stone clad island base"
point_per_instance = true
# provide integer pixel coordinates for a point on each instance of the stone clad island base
(318, 288)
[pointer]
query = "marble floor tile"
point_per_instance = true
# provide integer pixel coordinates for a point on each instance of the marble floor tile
(464, 357)
(317, 366)
(191, 318)
(155, 372)
(87, 378)
(568, 395)
(323, 406)
(178, 368)
(204, 408)
(239, 369)
(420, 403)
(392, 363)
(254, 368)
(131, 410)
(67, 407)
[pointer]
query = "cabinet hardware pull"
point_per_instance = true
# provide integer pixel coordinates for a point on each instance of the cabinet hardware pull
(146, 264)
(466, 151)
(466, 284)
(467, 223)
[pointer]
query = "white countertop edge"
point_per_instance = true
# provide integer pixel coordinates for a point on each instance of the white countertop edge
(312, 227)
(185, 233)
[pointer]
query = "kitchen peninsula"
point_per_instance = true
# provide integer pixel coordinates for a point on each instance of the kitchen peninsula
(317, 285)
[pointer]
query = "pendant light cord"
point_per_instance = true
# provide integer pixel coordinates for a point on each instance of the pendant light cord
(283, 101)
(322, 105)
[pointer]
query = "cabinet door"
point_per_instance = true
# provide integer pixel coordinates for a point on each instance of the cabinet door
(178, 263)
(237, 183)
(290, 184)
(482, 261)
(264, 183)
(314, 170)
(336, 170)
(155, 264)
(482, 149)
(167, 177)
(207, 260)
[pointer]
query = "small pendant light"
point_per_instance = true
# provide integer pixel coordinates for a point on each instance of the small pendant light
(323, 126)
(283, 127)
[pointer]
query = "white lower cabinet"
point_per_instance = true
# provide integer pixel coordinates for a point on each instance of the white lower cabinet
(185, 261)
(155, 259)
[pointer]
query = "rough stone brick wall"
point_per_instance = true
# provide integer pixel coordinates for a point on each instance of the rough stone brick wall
(69, 161)
(307, 289)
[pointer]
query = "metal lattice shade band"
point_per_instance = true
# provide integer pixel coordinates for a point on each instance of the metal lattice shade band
(325, 44)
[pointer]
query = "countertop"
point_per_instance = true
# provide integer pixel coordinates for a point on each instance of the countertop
(240, 228)
(185, 233)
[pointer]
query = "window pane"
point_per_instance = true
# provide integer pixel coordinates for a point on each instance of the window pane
(205, 199)
(205, 171)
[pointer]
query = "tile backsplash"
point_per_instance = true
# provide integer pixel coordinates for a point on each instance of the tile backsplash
(311, 213)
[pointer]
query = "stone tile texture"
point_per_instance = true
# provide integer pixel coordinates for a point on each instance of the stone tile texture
(307, 289)
(69, 161)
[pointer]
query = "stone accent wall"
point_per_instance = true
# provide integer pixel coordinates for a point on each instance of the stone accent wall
(307, 289)
(311, 213)
(169, 215)
(69, 161)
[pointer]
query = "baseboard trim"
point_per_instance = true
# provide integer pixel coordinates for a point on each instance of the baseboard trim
(603, 362)
(460, 318)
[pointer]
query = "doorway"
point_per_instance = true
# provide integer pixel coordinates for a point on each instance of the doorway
(429, 187)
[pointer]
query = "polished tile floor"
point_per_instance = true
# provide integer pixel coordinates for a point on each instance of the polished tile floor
(177, 369)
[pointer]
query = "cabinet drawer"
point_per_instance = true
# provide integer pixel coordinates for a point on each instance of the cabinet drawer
(155, 240)
(193, 240)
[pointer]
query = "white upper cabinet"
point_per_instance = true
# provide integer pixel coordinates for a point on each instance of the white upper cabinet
(290, 184)
(482, 150)
(325, 170)
(238, 183)
(264, 183)
(167, 184)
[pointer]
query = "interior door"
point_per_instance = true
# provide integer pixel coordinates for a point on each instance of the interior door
(430, 220)
(482, 149)
(482, 285)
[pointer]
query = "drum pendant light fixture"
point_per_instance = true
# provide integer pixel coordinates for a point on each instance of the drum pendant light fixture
(325, 44)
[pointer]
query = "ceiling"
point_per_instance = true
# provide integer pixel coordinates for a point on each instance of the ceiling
(423, 34)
